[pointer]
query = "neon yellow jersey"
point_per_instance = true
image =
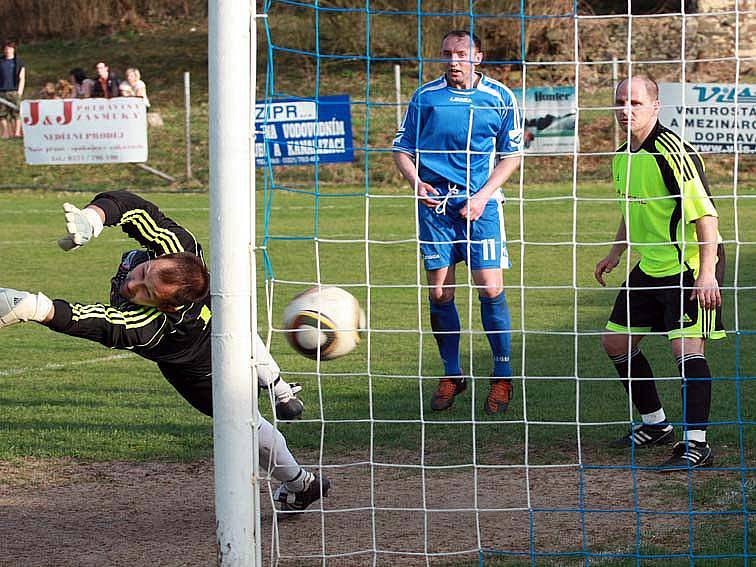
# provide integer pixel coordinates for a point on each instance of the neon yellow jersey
(650, 183)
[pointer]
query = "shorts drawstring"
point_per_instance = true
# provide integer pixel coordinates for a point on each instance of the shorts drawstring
(453, 192)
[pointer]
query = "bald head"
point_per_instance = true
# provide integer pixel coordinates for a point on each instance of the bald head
(637, 107)
(640, 86)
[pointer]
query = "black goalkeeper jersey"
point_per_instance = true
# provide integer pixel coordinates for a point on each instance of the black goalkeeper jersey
(179, 342)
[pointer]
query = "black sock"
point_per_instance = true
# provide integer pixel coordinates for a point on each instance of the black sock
(636, 366)
(696, 390)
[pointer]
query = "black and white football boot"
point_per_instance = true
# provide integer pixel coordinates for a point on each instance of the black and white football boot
(688, 455)
(644, 435)
(315, 487)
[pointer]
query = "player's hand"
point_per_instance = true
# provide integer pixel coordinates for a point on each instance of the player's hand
(706, 290)
(426, 192)
(288, 406)
(82, 225)
(605, 266)
(17, 306)
(474, 208)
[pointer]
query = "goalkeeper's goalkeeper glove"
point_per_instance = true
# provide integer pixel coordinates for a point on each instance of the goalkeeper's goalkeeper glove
(82, 225)
(17, 306)
(288, 406)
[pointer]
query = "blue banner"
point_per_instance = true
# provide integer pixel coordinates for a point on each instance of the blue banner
(300, 131)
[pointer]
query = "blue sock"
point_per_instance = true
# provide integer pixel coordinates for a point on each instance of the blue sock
(495, 315)
(445, 325)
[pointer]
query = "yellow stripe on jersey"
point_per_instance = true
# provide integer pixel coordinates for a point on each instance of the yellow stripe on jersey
(678, 149)
(129, 319)
(149, 229)
(672, 155)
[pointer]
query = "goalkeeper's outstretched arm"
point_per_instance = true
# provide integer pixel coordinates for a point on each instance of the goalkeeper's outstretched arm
(139, 218)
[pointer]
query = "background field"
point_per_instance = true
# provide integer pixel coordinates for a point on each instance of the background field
(98, 438)
(65, 398)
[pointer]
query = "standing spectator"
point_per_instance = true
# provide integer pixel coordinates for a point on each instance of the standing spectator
(107, 83)
(82, 85)
(455, 129)
(134, 85)
(12, 81)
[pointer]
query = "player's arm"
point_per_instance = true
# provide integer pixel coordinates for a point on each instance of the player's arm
(706, 287)
(407, 168)
(508, 150)
(129, 328)
(684, 174)
(610, 262)
(138, 218)
(404, 148)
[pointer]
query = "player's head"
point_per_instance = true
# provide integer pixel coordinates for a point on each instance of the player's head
(463, 53)
(637, 103)
(167, 282)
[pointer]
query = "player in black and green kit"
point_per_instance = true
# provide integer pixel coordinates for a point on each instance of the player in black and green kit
(669, 218)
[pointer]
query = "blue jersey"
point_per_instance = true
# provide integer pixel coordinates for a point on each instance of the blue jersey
(456, 134)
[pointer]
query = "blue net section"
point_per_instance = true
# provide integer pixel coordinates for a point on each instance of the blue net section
(542, 483)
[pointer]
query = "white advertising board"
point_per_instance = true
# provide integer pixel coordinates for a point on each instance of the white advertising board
(89, 130)
(707, 116)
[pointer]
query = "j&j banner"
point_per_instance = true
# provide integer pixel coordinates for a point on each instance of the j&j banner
(90, 130)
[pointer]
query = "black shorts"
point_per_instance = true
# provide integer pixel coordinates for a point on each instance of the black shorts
(658, 309)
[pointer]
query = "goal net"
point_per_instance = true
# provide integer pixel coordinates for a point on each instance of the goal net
(538, 484)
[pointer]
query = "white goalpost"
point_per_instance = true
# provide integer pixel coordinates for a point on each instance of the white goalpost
(536, 485)
(231, 56)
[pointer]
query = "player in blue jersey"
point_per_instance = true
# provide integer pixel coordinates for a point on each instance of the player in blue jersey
(459, 142)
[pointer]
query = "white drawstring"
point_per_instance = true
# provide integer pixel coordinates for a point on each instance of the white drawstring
(441, 207)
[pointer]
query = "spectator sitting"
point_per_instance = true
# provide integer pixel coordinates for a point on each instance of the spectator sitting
(81, 84)
(64, 89)
(48, 91)
(134, 85)
(106, 84)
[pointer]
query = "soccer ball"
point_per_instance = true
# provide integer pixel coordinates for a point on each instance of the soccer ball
(325, 320)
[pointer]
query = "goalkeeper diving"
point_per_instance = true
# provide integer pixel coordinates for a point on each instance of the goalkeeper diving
(159, 308)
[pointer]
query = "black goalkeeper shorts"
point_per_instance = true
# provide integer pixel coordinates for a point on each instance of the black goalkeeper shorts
(662, 305)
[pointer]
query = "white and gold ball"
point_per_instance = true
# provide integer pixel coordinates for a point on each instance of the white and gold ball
(325, 320)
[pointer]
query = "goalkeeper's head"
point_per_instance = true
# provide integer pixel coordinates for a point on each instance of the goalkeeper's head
(168, 282)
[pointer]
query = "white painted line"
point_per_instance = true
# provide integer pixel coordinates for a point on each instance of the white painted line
(53, 366)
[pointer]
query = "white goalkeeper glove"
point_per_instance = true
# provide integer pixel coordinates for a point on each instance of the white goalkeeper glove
(17, 306)
(82, 225)
(288, 405)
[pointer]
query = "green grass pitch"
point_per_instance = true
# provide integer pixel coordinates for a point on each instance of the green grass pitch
(68, 397)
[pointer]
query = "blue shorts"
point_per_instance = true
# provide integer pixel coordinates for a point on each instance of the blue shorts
(444, 239)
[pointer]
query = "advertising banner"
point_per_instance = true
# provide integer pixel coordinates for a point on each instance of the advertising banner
(303, 131)
(548, 119)
(706, 115)
(88, 130)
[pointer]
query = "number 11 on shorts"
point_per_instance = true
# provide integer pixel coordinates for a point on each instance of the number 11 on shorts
(489, 249)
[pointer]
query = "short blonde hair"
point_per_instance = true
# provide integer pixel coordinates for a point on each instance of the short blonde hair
(136, 72)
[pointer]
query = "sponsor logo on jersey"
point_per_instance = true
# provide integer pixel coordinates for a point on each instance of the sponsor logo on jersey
(459, 99)
(431, 257)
